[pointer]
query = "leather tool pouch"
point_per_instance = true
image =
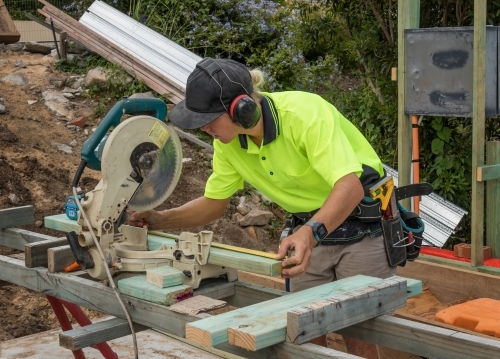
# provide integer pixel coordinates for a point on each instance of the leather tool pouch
(394, 241)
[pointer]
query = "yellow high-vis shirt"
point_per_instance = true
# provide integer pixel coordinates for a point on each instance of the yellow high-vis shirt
(308, 145)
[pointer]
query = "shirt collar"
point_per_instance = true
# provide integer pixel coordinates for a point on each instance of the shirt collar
(271, 123)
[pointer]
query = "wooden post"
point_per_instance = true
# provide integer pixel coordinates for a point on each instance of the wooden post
(62, 44)
(408, 18)
(478, 120)
(493, 201)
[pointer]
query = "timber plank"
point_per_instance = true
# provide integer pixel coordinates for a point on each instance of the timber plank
(36, 253)
(138, 287)
(218, 256)
(213, 331)
(263, 280)
(322, 317)
(17, 238)
(96, 333)
(422, 339)
(165, 276)
(17, 216)
(59, 258)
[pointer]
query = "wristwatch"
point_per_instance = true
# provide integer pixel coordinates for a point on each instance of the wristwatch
(319, 230)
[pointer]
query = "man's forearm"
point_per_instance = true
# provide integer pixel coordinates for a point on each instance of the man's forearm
(197, 212)
(343, 198)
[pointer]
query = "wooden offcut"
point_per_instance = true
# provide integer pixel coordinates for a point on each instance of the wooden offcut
(59, 258)
(18, 238)
(36, 253)
(17, 216)
(138, 287)
(164, 277)
(214, 331)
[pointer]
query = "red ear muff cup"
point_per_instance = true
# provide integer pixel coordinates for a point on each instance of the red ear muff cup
(244, 111)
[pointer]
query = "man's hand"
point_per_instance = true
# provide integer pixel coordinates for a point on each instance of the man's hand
(152, 219)
(302, 242)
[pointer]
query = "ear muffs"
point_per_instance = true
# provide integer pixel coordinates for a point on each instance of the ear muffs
(244, 111)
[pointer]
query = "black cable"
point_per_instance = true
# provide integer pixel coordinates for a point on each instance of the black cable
(55, 39)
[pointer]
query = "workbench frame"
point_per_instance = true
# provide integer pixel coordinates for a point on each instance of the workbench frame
(396, 333)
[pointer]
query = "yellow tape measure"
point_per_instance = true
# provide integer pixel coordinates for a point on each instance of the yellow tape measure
(222, 246)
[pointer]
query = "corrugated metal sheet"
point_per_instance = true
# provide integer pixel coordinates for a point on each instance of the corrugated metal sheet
(160, 53)
(440, 217)
(176, 63)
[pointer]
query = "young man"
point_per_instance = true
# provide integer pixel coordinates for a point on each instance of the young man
(298, 150)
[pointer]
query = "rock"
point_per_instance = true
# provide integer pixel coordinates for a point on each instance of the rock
(252, 233)
(148, 94)
(58, 82)
(73, 143)
(96, 76)
(35, 47)
(57, 103)
(256, 217)
(68, 95)
(31, 102)
(4, 62)
(15, 79)
(236, 217)
(86, 132)
(15, 47)
(19, 63)
(68, 89)
(13, 199)
(75, 82)
(186, 159)
(79, 121)
(38, 223)
(255, 198)
(63, 148)
(3, 108)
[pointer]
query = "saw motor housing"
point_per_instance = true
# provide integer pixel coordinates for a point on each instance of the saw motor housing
(141, 165)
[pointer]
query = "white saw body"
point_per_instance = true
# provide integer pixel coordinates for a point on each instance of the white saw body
(141, 165)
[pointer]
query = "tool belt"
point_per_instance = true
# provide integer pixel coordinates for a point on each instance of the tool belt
(403, 235)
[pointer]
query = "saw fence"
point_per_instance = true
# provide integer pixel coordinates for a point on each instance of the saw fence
(262, 323)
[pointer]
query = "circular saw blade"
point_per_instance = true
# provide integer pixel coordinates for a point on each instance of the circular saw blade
(160, 180)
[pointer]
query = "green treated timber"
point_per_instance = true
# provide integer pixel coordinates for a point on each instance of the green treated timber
(138, 287)
(18, 238)
(488, 173)
(355, 306)
(478, 131)
(164, 277)
(213, 331)
(408, 18)
(493, 200)
(425, 340)
(227, 258)
(218, 256)
(17, 216)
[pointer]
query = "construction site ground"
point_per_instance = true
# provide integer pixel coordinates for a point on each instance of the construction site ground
(34, 172)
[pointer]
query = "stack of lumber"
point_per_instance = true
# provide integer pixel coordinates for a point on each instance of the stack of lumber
(8, 30)
(134, 58)
(301, 316)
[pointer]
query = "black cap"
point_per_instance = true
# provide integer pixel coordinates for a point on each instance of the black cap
(210, 89)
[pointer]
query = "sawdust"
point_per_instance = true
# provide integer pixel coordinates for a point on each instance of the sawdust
(38, 174)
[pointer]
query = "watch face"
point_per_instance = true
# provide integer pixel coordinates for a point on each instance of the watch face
(321, 230)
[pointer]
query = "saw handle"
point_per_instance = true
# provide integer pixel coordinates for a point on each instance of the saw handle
(130, 106)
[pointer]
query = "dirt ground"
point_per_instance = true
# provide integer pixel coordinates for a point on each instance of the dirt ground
(34, 172)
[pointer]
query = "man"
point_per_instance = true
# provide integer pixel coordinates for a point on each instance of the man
(298, 150)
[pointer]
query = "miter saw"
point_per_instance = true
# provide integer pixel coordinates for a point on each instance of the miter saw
(140, 161)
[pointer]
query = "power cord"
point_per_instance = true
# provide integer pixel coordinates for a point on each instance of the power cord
(108, 273)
